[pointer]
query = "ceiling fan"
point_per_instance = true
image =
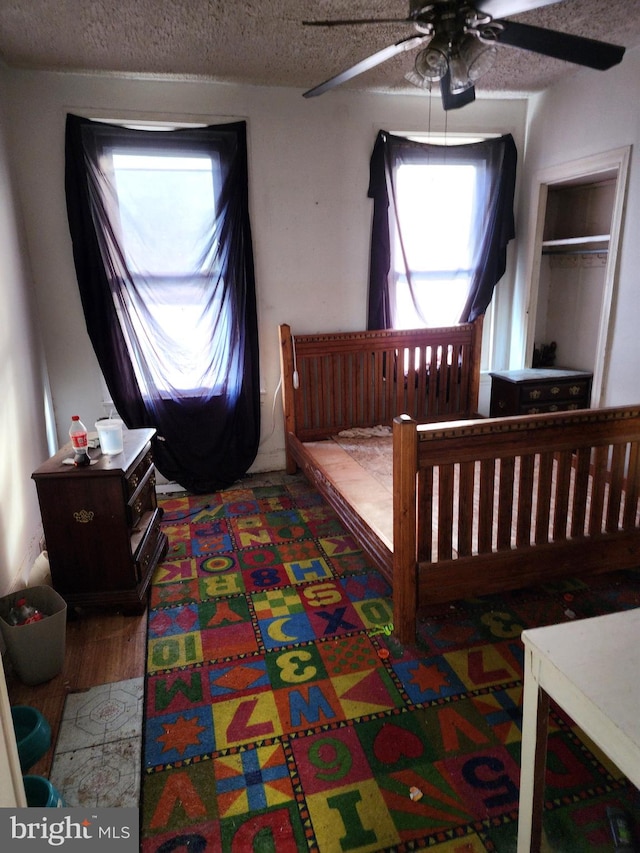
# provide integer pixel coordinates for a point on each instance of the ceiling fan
(458, 40)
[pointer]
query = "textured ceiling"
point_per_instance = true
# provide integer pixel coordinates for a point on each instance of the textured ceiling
(264, 43)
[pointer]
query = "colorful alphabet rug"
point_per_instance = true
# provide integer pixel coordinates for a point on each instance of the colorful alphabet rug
(281, 714)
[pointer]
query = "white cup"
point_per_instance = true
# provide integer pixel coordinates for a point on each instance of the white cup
(110, 435)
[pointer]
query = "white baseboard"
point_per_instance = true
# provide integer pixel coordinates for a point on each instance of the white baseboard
(169, 488)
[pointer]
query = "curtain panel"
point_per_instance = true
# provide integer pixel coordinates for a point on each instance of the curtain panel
(493, 217)
(178, 348)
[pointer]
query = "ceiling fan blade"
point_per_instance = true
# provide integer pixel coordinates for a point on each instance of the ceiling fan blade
(495, 8)
(506, 8)
(577, 49)
(451, 101)
(348, 22)
(370, 62)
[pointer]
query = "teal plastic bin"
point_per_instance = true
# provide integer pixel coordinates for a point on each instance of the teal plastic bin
(40, 793)
(33, 734)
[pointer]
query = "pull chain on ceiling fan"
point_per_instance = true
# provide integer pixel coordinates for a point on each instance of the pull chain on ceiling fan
(459, 40)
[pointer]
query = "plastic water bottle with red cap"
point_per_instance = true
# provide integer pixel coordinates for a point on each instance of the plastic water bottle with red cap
(23, 614)
(79, 441)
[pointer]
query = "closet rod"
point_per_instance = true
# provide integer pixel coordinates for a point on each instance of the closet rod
(575, 252)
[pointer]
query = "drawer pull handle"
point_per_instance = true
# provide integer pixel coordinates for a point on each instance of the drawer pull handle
(535, 395)
(555, 390)
(134, 481)
(575, 390)
(84, 516)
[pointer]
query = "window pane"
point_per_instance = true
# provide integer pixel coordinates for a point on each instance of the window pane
(435, 205)
(164, 202)
(444, 297)
(167, 209)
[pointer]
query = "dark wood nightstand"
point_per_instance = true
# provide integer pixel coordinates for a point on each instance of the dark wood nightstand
(534, 390)
(102, 524)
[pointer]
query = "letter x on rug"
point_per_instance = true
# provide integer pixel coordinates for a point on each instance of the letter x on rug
(282, 716)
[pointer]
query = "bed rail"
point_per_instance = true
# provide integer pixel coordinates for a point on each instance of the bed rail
(340, 380)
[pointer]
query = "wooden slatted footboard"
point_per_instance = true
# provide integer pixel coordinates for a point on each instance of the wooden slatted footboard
(488, 505)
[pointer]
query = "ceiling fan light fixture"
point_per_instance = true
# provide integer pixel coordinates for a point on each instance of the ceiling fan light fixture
(478, 56)
(418, 80)
(431, 63)
(460, 80)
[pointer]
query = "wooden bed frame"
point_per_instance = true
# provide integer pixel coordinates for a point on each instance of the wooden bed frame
(478, 505)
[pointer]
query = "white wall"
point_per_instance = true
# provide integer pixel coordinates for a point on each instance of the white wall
(23, 443)
(310, 213)
(588, 114)
(22, 434)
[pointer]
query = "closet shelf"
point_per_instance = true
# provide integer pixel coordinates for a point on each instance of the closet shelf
(596, 243)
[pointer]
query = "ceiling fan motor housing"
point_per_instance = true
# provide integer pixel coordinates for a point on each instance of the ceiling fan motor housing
(447, 19)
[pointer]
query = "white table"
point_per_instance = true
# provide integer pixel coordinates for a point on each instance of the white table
(591, 668)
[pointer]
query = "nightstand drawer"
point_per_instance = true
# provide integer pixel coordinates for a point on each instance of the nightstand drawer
(145, 544)
(144, 498)
(540, 408)
(555, 391)
(136, 477)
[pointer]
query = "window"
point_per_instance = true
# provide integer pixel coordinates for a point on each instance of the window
(429, 198)
(442, 219)
(166, 204)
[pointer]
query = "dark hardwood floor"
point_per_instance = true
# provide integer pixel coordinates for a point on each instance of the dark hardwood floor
(102, 646)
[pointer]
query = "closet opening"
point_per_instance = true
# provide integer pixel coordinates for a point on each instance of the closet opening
(574, 263)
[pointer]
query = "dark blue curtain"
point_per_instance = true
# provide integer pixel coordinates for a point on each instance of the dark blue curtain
(494, 220)
(178, 349)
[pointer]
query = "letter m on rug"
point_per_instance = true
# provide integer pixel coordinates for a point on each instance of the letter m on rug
(310, 709)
